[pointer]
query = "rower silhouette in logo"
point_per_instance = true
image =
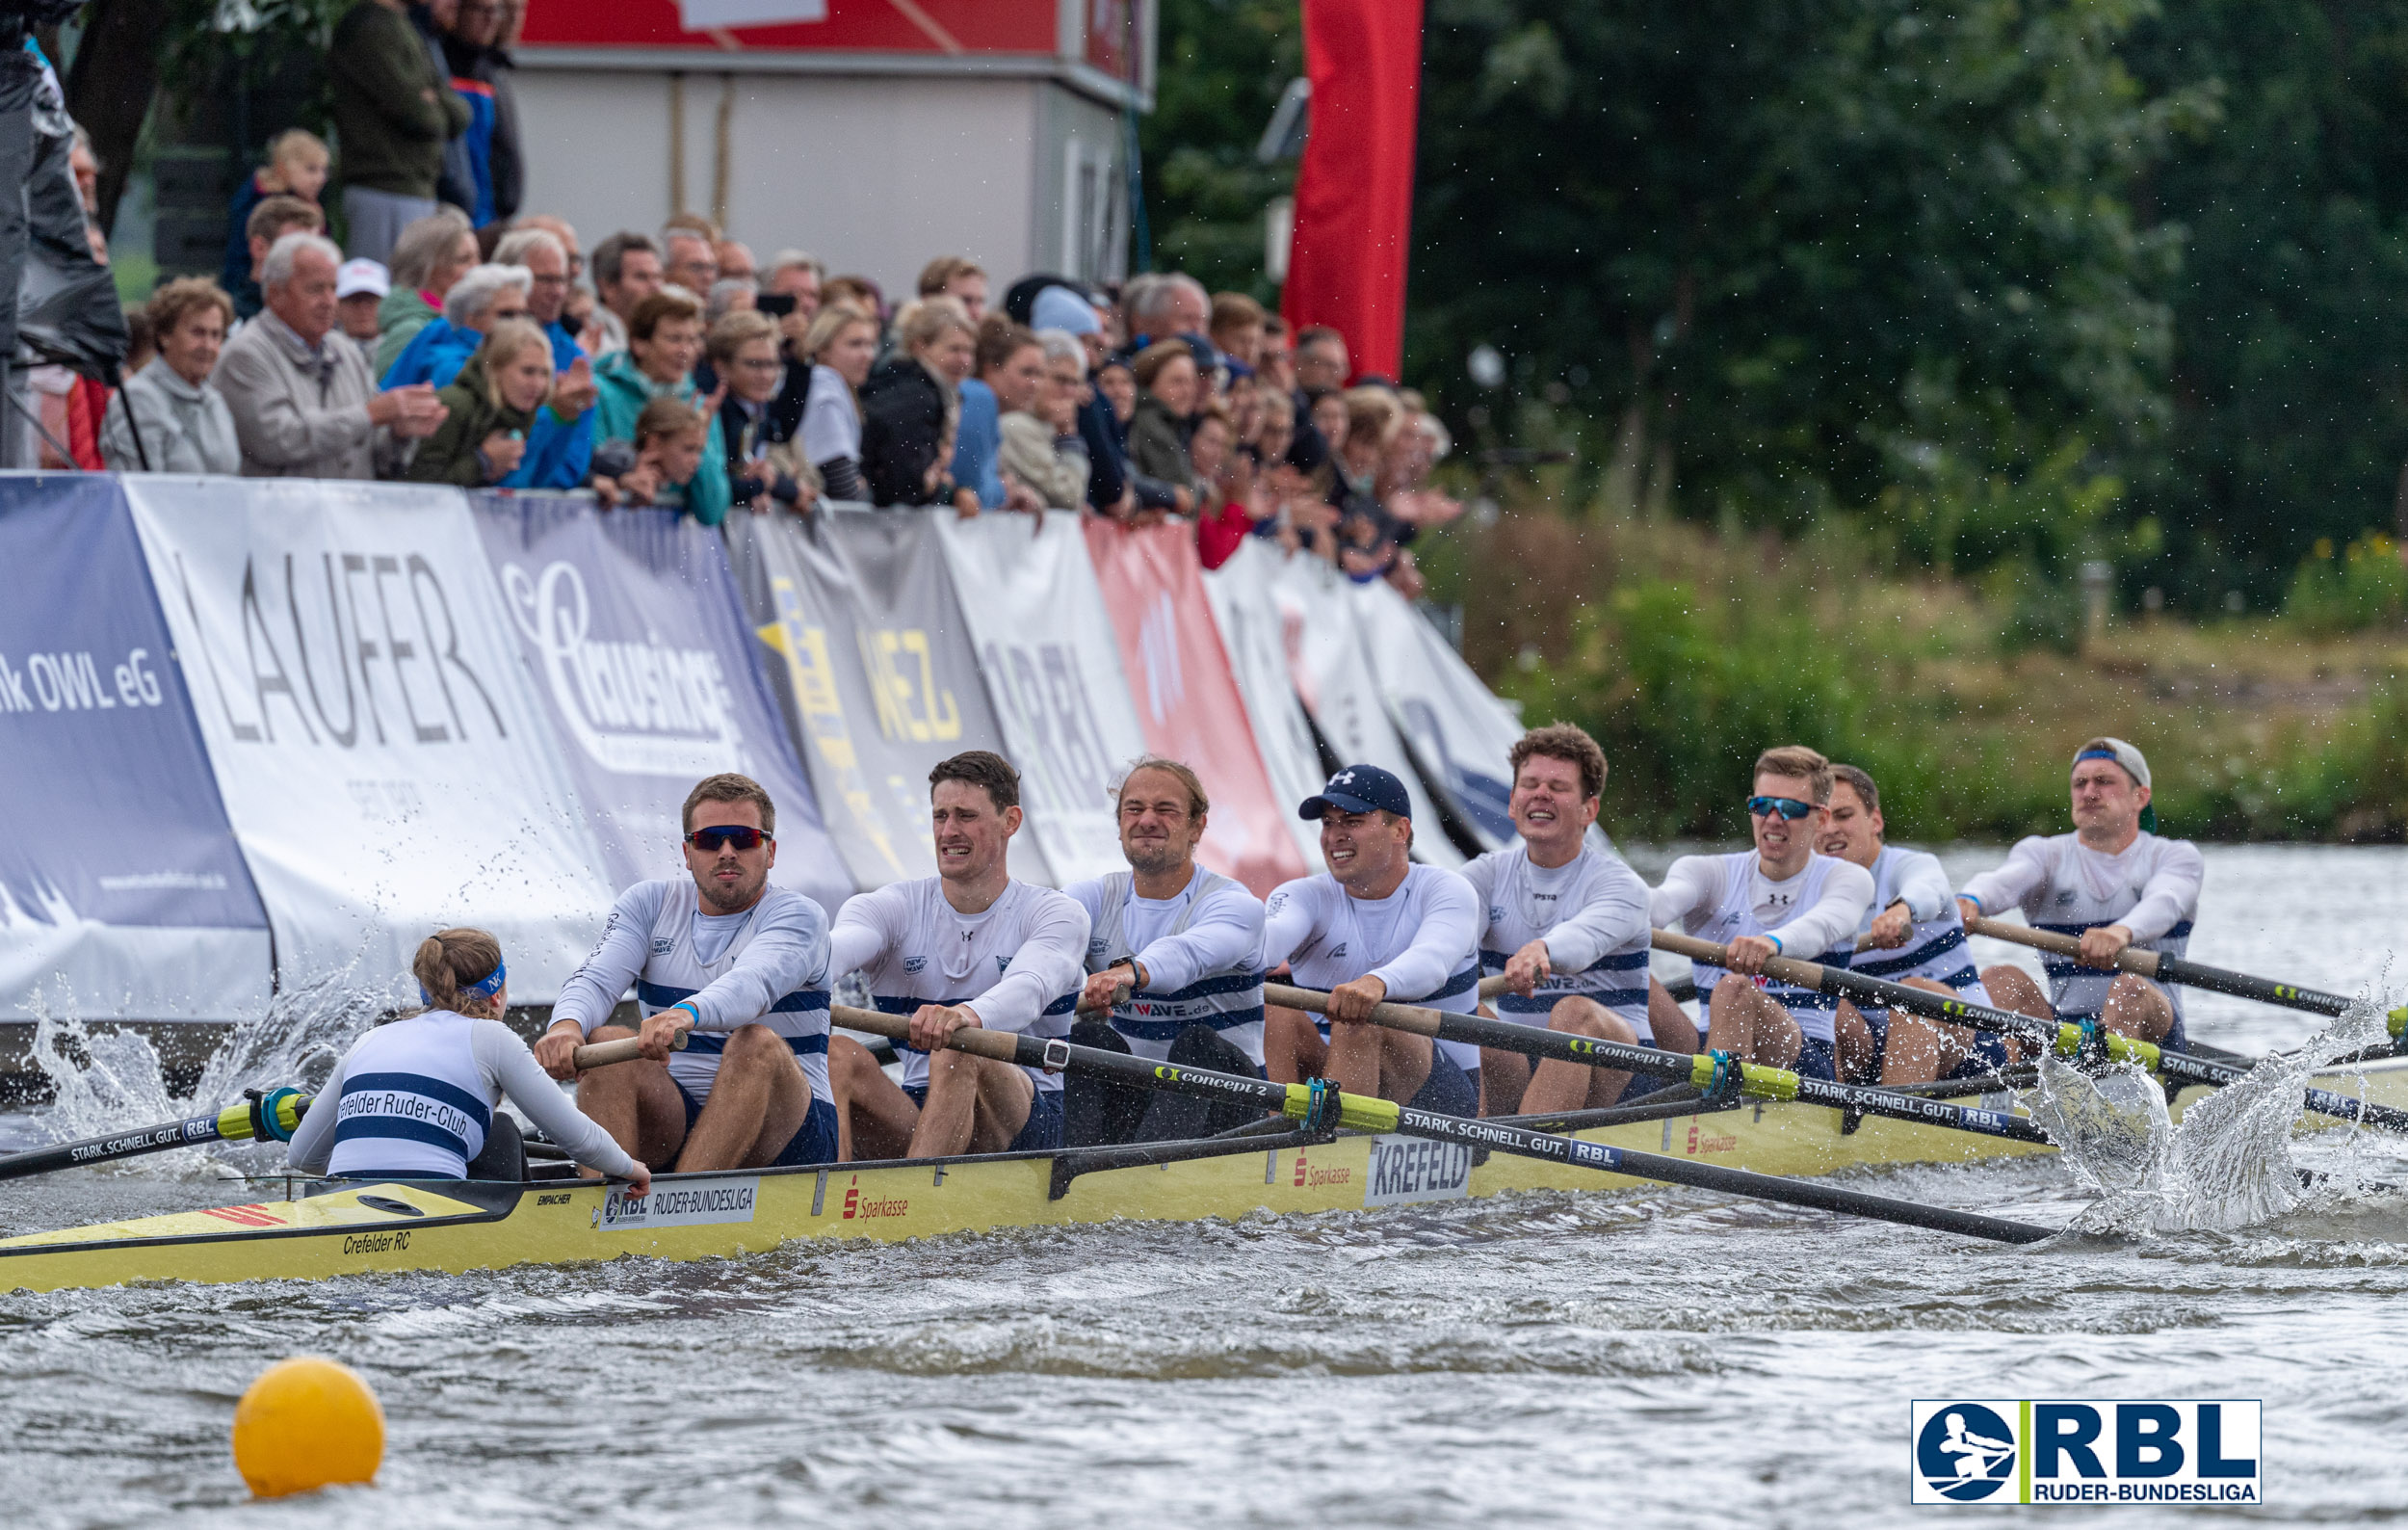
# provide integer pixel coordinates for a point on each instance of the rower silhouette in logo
(1966, 1453)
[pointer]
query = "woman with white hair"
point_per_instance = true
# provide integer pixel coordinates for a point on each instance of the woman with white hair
(426, 259)
(1042, 446)
(483, 297)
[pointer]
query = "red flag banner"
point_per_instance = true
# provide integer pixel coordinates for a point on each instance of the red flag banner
(1188, 702)
(1355, 190)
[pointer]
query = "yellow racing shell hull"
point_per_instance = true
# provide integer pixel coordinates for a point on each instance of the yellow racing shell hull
(404, 1226)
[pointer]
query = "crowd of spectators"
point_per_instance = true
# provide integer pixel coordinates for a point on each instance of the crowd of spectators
(451, 339)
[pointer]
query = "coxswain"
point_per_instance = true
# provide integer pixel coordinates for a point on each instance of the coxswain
(1175, 952)
(1782, 898)
(1914, 935)
(414, 1098)
(971, 946)
(2113, 884)
(736, 964)
(1375, 927)
(1566, 922)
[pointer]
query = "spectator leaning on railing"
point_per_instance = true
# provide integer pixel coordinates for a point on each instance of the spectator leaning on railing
(1041, 444)
(394, 113)
(841, 345)
(304, 405)
(763, 466)
(664, 341)
(911, 406)
(1168, 382)
(1011, 372)
(493, 404)
(180, 416)
(561, 448)
(432, 254)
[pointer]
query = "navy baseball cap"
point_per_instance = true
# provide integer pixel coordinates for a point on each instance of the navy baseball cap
(1359, 789)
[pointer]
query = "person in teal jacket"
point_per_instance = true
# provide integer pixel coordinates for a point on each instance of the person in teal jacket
(664, 341)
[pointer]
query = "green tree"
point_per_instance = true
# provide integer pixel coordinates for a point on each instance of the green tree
(2291, 355)
(1801, 253)
(1223, 65)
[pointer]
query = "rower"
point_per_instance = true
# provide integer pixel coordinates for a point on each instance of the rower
(738, 964)
(1778, 899)
(1913, 916)
(1566, 923)
(970, 946)
(1175, 952)
(414, 1098)
(1375, 927)
(2114, 884)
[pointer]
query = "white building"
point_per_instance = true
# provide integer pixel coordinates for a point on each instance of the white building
(875, 134)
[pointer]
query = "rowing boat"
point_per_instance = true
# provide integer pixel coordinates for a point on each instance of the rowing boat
(401, 1226)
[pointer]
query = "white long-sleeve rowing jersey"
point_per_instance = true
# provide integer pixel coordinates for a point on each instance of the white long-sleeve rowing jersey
(1422, 940)
(1935, 947)
(1814, 916)
(767, 964)
(417, 1096)
(2151, 887)
(1202, 952)
(1018, 965)
(1593, 911)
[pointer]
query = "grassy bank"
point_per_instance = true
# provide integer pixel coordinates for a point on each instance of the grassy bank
(1686, 653)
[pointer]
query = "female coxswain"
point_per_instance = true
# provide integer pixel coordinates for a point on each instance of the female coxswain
(415, 1098)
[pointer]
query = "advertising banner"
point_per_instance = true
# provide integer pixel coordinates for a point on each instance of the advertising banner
(1333, 675)
(1459, 731)
(1252, 635)
(632, 634)
(122, 892)
(1052, 664)
(1188, 703)
(868, 654)
(381, 753)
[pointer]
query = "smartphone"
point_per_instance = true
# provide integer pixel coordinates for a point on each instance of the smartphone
(776, 304)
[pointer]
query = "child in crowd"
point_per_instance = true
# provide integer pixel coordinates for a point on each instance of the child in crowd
(298, 163)
(672, 437)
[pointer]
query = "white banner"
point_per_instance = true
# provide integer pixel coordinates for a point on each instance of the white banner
(1333, 677)
(1250, 623)
(1459, 731)
(1052, 664)
(384, 758)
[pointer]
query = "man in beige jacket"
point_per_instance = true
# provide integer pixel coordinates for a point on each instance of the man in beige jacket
(305, 404)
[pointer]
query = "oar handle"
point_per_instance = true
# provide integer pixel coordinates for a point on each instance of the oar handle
(1494, 984)
(1412, 1018)
(625, 1050)
(2131, 959)
(1002, 1046)
(1789, 970)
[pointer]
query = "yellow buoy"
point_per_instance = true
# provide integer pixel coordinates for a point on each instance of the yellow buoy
(308, 1423)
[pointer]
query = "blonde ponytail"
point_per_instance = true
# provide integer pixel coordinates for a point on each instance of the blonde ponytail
(452, 966)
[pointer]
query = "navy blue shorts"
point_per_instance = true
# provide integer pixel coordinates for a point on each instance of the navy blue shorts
(1814, 1060)
(1988, 1054)
(1040, 1133)
(1450, 1090)
(814, 1142)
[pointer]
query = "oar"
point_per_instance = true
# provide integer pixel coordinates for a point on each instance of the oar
(1706, 1071)
(1310, 1103)
(2190, 974)
(235, 1123)
(2067, 1039)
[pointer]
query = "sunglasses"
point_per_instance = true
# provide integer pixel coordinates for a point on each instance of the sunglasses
(1788, 808)
(709, 840)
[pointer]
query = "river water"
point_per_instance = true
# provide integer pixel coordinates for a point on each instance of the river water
(1664, 1358)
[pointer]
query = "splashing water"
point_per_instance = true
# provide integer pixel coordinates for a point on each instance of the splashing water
(2227, 1164)
(107, 1080)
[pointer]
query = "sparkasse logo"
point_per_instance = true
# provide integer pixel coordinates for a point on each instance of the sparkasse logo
(2067, 1451)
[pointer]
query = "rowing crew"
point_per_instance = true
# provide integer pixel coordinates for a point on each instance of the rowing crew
(732, 976)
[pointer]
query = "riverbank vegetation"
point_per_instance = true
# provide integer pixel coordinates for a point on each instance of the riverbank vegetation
(1686, 652)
